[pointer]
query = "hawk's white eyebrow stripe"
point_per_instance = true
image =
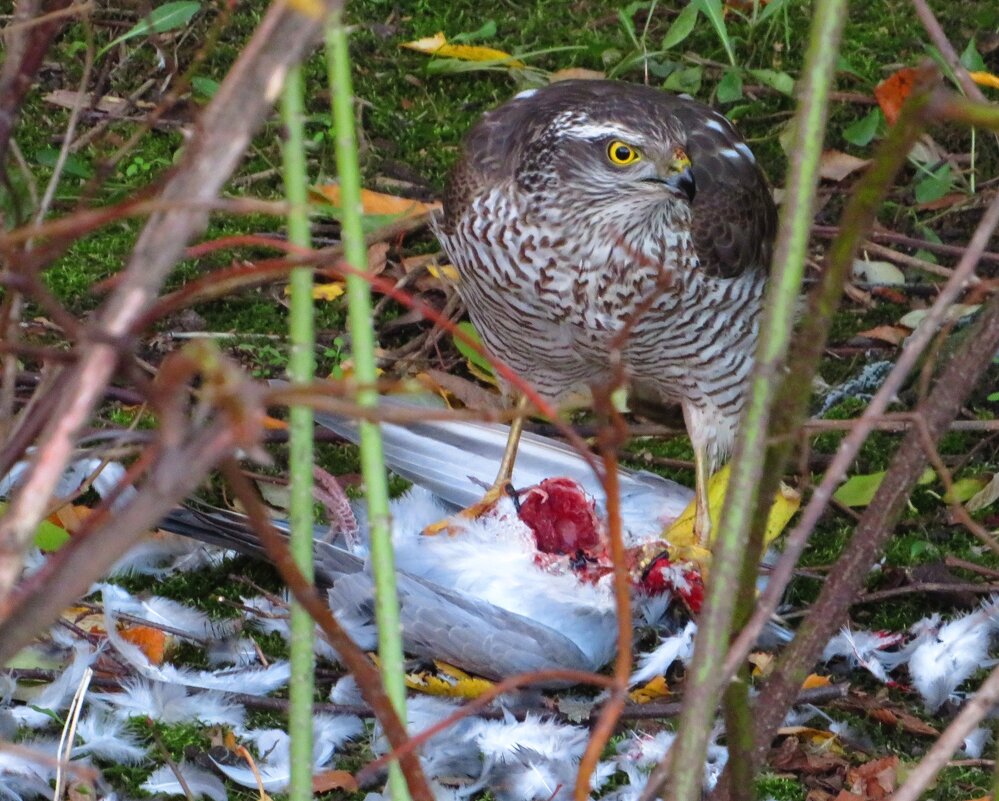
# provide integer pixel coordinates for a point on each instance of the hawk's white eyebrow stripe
(595, 131)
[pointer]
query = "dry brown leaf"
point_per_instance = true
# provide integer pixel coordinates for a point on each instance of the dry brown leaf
(334, 780)
(893, 90)
(874, 780)
(377, 202)
(378, 258)
(576, 74)
(886, 713)
(946, 202)
(835, 165)
(468, 393)
(892, 334)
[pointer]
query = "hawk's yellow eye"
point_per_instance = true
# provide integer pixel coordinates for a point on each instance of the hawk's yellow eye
(622, 154)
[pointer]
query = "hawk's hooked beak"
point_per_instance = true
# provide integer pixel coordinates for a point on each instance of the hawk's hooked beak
(681, 175)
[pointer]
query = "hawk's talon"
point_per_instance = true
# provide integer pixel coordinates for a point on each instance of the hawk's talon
(480, 507)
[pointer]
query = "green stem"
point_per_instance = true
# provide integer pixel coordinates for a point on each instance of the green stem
(301, 370)
(704, 684)
(363, 351)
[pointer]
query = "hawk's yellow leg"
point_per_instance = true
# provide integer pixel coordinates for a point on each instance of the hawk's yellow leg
(702, 507)
(499, 485)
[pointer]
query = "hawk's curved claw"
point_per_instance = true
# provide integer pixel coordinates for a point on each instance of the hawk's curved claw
(498, 491)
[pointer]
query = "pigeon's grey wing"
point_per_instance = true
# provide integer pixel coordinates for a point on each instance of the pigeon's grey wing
(438, 623)
(230, 530)
(457, 460)
(467, 632)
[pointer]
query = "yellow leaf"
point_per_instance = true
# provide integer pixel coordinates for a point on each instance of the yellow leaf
(444, 272)
(454, 683)
(653, 691)
(785, 504)
(437, 45)
(327, 291)
(313, 9)
(985, 79)
(762, 662)
(376, 202)
(814, 680)
(815, 736)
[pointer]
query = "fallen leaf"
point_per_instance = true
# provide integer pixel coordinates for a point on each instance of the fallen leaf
(945, 202)
(576, 74)
(877, 272)
(814, 680)
(859, 490)
(447, 273)
(874, 780)
(377, 202)
(152, 642)
(334, 780)
(985, 79)
(762, 663)
(655, 690)
(954, 313)
(893, 334)
(377, 258)
(886, 713)
(452, 682)
(964, 489)
(437, 45)
(986, 496)
(893, 90)
(835, 165)
(327, 292)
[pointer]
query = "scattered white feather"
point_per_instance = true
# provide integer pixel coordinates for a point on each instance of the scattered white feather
(105, 736)
(273, 745)
(249, 680)
(232, 651)
(534, 759)
(158, 611)
(164, 781)
(163, 555)
(862, 648)
(347, 693)
(21, 778)
(940, 664)
(974, 743)
(450, 753)
(679, 646)
(173, 703)
(505, 740)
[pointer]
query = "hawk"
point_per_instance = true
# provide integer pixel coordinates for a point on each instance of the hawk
(603, 229)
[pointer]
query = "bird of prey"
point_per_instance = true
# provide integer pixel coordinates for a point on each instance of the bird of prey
(606, 231)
